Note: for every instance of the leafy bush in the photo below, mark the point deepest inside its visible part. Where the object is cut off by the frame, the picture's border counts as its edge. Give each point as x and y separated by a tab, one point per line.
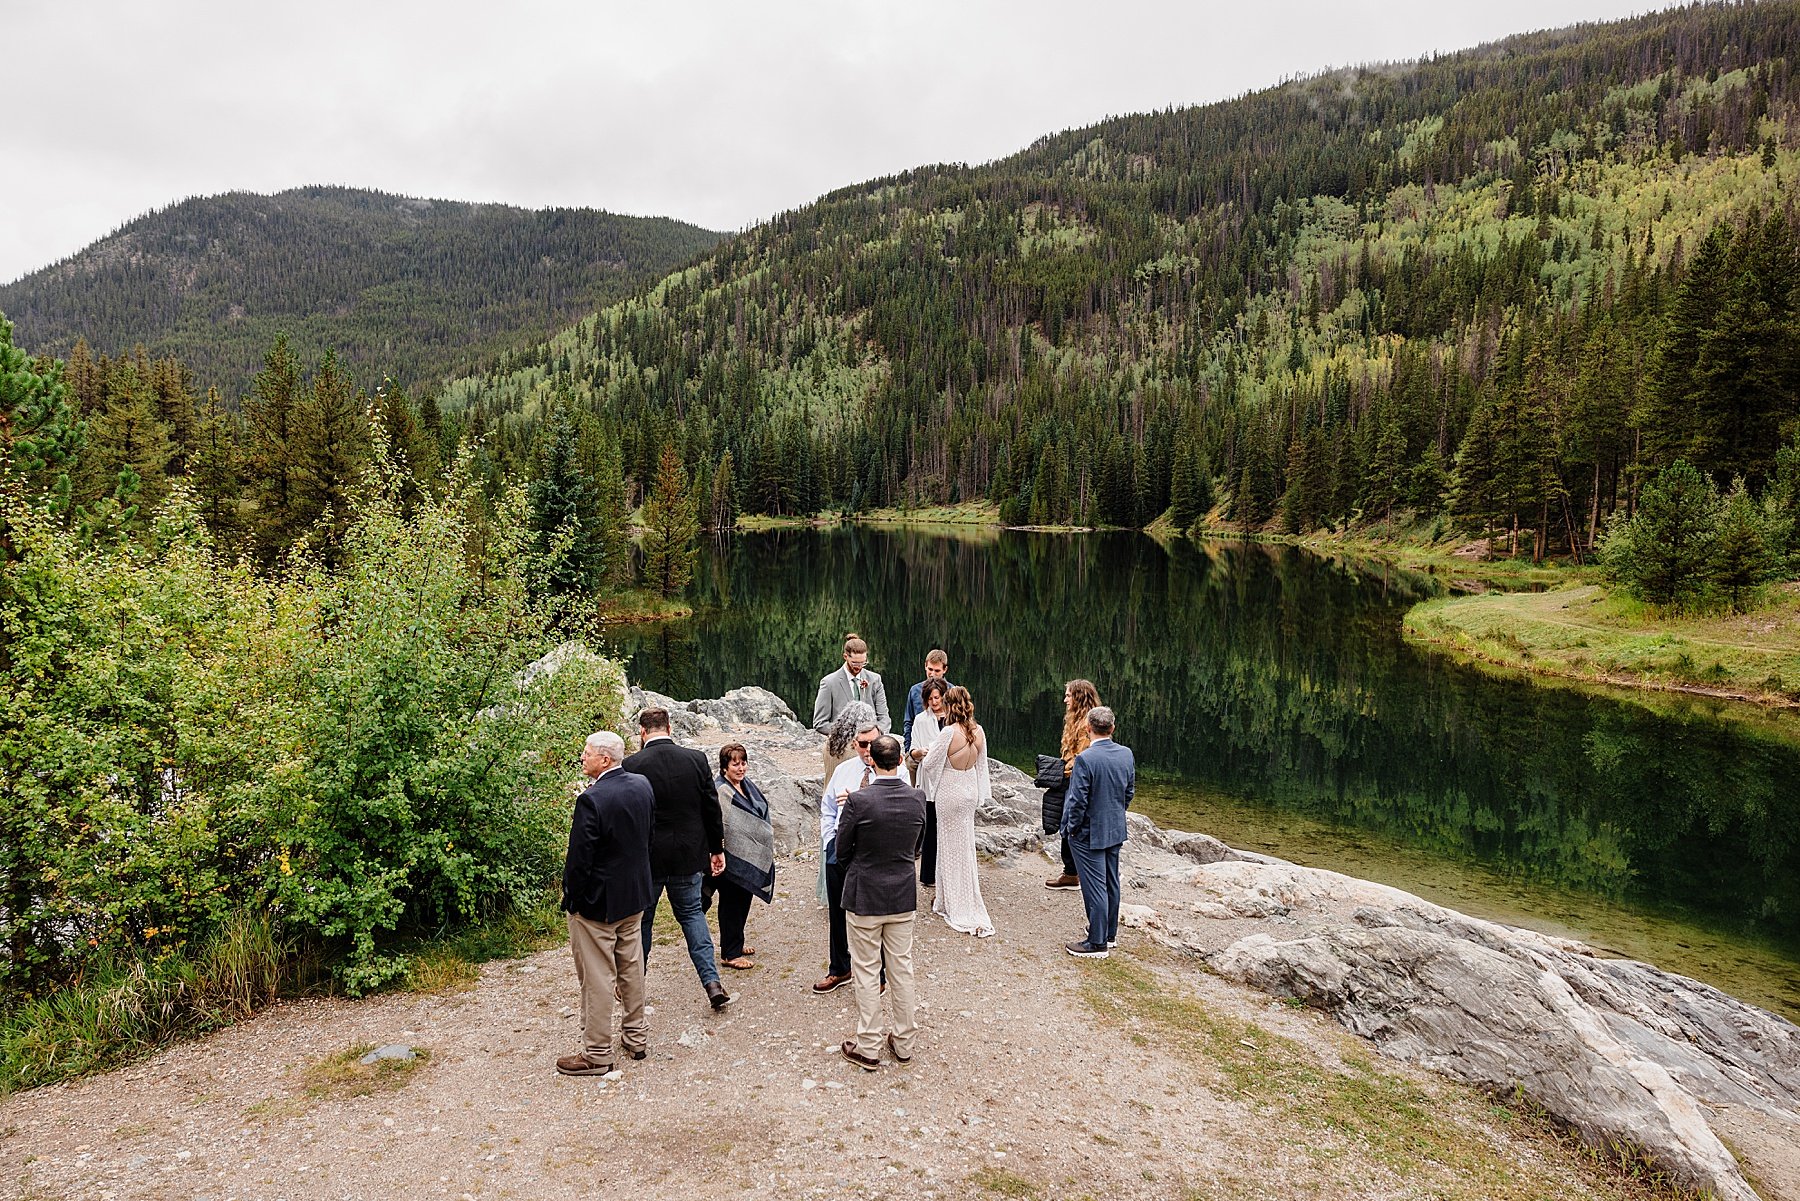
350	753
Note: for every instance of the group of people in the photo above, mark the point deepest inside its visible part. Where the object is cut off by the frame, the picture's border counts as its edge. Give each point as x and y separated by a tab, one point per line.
895	813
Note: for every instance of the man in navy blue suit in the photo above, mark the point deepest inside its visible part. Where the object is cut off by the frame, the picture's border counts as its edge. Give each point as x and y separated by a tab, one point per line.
1100	791
606	888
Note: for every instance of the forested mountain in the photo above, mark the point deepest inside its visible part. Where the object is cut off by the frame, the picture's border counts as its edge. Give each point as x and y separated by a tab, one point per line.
416	289
1501	283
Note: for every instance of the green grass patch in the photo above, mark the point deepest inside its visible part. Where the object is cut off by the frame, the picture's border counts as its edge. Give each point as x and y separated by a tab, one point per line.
974	512
1002	1183
1588	633
343	1074
452	962
122	1010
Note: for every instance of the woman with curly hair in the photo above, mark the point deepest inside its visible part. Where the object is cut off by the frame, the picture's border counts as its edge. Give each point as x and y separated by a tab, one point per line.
1078	697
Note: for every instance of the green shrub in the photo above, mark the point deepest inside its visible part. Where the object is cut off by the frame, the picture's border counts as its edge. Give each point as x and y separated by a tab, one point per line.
348	755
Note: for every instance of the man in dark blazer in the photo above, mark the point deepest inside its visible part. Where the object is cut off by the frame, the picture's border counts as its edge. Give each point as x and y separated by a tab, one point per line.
606	888
1100	790
689	840
878	836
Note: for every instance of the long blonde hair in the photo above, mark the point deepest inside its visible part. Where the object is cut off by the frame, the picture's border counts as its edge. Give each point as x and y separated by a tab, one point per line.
1082	696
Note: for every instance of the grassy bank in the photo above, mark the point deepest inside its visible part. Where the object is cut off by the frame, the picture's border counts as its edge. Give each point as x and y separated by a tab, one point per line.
639	605
1584	633
127	1009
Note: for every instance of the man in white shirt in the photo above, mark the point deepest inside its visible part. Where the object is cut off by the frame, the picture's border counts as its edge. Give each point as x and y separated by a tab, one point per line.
851	775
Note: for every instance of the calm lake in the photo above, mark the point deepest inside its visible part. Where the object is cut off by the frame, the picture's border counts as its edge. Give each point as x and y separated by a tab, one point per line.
1272	703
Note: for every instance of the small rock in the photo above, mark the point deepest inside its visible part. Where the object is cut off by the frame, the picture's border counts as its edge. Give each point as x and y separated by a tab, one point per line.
398	1051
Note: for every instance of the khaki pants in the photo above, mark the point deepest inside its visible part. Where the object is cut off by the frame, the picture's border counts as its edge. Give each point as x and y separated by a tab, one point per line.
609	964
871	940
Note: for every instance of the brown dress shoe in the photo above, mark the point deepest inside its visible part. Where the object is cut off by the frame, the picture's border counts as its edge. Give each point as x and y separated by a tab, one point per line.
895	1052
830	984
1063	881
578	1065
858	1058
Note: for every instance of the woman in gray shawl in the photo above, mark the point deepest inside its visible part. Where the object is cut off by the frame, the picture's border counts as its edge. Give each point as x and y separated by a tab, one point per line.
749	854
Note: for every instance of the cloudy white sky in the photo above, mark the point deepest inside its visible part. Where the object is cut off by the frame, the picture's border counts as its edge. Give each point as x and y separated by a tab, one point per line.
720	114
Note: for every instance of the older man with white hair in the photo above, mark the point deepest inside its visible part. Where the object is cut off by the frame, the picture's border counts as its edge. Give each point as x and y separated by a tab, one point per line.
606	888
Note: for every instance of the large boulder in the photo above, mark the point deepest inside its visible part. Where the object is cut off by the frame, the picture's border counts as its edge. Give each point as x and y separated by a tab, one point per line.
1622	1051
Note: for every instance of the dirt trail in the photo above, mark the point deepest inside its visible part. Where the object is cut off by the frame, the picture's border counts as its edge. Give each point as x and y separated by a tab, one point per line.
1020	1087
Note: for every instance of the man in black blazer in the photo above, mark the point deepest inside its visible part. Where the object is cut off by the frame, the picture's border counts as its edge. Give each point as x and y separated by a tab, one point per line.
878	836
689	840
606	888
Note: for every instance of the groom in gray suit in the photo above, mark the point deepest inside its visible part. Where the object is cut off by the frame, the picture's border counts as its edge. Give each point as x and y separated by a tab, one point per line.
1100	791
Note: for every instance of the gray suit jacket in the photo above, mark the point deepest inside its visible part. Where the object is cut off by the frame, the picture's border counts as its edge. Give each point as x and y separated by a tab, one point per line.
838	690
879	833
1100	791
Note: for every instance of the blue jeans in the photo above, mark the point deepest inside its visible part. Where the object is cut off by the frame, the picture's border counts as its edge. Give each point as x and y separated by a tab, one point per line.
684	899
1098	870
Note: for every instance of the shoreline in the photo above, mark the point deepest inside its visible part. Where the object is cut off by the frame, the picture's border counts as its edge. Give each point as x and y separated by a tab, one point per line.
1578	634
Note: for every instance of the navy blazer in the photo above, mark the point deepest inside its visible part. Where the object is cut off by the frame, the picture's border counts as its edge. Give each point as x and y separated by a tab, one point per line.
1100	791
606	876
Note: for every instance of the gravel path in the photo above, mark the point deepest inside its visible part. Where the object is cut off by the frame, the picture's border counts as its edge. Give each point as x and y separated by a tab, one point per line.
1019	1088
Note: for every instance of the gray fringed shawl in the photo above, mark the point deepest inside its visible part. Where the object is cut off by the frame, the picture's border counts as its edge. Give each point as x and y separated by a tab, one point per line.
749	838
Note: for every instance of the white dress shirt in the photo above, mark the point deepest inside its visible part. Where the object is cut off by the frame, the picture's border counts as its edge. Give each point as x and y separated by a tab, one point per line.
847	778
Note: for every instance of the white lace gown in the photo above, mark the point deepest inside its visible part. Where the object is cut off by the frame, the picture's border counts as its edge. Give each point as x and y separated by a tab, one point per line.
957	794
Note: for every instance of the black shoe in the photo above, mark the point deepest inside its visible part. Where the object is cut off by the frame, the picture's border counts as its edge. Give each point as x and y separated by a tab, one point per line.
638	1054
715	992
1086	950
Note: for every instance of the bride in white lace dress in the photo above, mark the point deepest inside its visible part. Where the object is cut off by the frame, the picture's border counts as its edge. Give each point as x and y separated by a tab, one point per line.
954	775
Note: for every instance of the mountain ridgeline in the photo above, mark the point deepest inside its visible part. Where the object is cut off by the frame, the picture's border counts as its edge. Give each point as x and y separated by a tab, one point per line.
1503	283
414	289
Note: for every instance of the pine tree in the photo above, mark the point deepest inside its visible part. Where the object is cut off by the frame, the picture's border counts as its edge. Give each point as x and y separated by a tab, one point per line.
214	468
564	512
723	511
670	528
128	447
271	422
1664	553
331	443
40	433
1190	487
1747	551
599	459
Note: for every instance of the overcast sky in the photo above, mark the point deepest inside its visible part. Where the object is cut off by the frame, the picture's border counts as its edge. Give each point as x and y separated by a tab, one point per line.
720	114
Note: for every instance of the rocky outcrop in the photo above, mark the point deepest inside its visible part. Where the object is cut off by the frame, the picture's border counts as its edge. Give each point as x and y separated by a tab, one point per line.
1622	1051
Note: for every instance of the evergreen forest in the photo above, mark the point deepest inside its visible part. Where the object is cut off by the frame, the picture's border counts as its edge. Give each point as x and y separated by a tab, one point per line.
396	286
1496	290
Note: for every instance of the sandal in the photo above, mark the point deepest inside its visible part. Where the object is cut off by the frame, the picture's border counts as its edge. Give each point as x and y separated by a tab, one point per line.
749	951
740	963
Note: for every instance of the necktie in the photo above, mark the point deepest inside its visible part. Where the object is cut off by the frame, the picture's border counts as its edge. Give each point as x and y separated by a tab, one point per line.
865	782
